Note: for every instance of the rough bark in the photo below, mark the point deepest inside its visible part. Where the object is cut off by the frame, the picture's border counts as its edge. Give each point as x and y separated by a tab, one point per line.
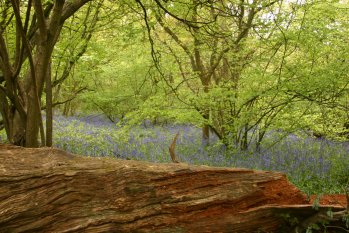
49	190
49	109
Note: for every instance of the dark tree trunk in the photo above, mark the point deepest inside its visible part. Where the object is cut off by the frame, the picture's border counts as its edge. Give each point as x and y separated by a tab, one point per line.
49	110
205	135
48	190
206	111
33	124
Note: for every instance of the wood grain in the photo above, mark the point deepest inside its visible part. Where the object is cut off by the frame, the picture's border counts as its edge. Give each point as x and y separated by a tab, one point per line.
49	190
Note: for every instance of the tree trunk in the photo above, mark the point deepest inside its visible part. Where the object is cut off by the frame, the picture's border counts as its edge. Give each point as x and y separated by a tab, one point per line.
35	36
17	130
206	115
49	109
49	190
32	129
13	123
206	130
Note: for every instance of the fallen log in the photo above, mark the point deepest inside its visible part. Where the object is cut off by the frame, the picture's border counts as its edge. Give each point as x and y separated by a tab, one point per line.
49	190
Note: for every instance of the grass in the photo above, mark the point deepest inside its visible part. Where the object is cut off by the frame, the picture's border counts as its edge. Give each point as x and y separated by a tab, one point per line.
315	166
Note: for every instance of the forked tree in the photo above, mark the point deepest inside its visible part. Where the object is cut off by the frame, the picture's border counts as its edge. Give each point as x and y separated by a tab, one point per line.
29	31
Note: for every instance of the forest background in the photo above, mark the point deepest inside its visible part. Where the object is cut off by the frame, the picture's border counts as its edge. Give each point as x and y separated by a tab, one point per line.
260	84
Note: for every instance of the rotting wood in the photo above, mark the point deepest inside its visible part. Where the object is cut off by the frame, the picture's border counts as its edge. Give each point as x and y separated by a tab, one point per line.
49	190
172	149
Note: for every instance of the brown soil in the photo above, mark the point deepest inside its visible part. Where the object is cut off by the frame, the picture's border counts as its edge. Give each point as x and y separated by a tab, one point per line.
332	199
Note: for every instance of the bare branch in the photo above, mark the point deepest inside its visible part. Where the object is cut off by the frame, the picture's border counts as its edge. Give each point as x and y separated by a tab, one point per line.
185	21
67	100
55	18
176	39
40	16
70	7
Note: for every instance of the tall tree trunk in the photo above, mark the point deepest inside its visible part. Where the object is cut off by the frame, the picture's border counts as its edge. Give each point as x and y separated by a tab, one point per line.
49	113
206	112
206	129
34	88
33	124
244	139
14	122
4	112
18	130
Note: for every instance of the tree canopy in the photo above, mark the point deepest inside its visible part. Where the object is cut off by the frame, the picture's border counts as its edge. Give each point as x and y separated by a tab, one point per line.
236	68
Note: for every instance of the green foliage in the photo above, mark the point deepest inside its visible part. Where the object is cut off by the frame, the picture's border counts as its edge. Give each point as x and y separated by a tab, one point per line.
312	165
289	73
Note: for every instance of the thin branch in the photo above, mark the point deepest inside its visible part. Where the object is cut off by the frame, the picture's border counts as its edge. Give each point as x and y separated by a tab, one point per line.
67	100
145	14
174	37
55	19
22	50
71	7
40	16
86	37
185	21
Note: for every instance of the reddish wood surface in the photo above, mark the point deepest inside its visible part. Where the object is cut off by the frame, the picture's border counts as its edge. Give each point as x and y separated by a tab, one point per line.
334	199
49	190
